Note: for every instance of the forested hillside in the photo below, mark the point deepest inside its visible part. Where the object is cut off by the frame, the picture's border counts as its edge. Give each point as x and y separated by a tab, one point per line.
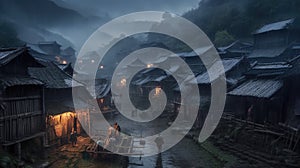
226	20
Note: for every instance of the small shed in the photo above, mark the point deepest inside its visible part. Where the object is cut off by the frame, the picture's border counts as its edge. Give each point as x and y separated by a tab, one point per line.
235	49
259	100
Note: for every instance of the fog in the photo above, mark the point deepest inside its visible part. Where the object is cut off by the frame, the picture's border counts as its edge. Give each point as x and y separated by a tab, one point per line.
71	22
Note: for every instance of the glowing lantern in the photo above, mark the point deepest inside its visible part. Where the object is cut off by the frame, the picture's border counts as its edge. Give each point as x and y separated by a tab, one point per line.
64	62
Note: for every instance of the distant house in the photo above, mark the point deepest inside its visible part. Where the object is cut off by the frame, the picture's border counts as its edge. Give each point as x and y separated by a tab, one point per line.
51	51
50	47
236	49
62	117
69	51
22	114
234	68
103	95
274	42
270	70
144	82
193	59
67	68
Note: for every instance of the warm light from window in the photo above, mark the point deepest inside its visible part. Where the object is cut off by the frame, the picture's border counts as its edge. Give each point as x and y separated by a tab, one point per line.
123	82
157	91
149	65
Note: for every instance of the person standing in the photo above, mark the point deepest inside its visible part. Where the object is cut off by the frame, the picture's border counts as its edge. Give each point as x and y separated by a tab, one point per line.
73	138
117	129
159	143
250	113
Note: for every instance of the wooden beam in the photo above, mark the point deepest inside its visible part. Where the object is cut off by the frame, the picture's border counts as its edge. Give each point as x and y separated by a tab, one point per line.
23	115
23	139
21	98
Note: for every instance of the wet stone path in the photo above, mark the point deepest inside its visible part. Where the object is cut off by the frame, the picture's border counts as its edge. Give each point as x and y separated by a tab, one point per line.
186	153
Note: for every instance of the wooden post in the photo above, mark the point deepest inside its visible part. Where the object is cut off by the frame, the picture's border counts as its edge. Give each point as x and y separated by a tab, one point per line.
296	143
44	119
89	122
19	152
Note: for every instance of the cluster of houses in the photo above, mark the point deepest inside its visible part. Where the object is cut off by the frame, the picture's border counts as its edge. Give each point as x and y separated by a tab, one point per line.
262	77
36	85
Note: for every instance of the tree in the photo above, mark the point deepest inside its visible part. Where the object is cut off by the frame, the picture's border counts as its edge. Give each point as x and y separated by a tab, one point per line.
8	36
223	38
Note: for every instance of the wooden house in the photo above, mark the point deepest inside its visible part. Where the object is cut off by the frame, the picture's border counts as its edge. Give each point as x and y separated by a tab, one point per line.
51	51
263	95
22	115
69	51
51	47
274	42
103	95
259	100
62	117
67	68
234	68
144	82
291	101
236	49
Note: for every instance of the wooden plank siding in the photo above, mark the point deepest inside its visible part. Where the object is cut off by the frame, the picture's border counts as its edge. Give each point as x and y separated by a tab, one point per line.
23	114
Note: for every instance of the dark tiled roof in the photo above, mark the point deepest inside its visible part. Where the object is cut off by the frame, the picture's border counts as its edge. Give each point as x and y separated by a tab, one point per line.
236	46
269	69
36	48
257	88
275	26
102	90
53	76
228	64
49	43
6	81
6	55
267	53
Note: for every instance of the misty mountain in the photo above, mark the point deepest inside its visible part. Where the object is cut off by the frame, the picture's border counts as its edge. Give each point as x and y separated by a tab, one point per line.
40	20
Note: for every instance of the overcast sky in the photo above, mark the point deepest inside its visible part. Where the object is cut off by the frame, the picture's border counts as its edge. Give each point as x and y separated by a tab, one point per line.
115	8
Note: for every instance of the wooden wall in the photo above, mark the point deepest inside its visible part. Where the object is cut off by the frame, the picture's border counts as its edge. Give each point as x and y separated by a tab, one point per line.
23	114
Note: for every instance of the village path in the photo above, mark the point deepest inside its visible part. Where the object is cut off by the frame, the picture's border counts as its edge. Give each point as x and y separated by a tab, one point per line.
186	153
